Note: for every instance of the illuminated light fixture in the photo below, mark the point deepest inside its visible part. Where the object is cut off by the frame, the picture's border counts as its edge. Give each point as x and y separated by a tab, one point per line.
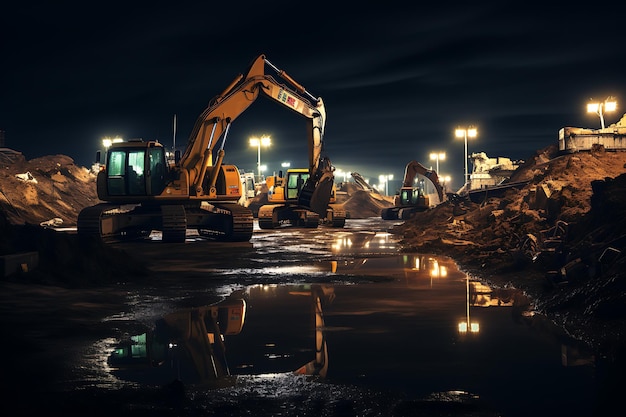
599	108
385	179
258	142
107	141
462	132
437	156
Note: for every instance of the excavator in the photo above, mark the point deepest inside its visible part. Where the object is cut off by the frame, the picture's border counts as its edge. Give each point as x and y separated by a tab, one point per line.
305	197
412	199
142	190
287	204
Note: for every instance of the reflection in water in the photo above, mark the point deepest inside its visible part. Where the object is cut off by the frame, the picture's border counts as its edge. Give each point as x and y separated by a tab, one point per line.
184	345
400	334
468	326
190	345
363	242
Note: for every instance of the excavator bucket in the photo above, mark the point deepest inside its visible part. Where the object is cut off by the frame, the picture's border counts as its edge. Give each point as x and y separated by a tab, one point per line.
316	198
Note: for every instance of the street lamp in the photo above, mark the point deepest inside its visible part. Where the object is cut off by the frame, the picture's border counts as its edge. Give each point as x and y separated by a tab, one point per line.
599	108
438	156
385	179
263	141
445	181
462	132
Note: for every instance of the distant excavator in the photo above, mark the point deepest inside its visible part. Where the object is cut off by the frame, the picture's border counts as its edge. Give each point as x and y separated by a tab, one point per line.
412	198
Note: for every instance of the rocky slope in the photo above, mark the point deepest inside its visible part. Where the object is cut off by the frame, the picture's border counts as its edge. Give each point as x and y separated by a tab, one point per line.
561	238
46	188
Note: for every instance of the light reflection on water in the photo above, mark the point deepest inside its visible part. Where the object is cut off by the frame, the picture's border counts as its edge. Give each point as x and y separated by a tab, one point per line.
428	330
357	314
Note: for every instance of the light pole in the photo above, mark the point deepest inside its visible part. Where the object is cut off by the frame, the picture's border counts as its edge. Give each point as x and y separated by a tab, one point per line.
438	156
385	179
462	132
599	108
263	141
445	181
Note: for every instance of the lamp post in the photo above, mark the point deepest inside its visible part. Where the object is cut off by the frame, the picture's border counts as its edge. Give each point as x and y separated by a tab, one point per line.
258	142
385	179
445	181
438	156
608	105
462	132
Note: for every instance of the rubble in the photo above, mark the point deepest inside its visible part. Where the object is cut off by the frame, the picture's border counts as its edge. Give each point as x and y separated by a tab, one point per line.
560	238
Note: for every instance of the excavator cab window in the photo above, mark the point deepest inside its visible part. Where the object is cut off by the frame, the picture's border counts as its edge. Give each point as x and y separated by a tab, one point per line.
295	183
136	169
157	181
406	197
125	172
116	172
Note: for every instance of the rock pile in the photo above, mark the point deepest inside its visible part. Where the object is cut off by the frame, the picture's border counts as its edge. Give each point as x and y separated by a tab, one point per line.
562	238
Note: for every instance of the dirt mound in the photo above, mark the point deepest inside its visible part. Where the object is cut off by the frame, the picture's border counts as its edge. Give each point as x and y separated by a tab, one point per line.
362	204
45	188
561	237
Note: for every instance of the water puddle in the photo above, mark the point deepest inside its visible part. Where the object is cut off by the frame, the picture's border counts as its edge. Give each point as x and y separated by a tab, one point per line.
423	330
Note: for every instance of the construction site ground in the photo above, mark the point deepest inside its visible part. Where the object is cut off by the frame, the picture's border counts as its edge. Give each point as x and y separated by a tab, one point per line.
560	238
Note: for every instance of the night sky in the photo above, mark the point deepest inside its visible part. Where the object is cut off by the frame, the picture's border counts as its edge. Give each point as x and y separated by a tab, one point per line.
396	77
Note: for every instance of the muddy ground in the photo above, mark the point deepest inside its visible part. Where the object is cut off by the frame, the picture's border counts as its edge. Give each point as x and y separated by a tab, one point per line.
560	237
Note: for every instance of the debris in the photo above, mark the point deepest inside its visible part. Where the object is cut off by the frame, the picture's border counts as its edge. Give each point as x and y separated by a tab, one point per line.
26	177
56	222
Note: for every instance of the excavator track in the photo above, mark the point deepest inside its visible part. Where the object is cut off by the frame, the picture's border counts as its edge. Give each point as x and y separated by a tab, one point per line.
91	222
229	222
336	215
277	215
243	223
109	222
174	219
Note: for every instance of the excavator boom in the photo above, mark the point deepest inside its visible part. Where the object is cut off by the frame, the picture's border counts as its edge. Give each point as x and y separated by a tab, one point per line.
414	168
212	125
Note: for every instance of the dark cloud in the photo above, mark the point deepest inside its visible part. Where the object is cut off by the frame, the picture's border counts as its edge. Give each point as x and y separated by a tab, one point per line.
396	79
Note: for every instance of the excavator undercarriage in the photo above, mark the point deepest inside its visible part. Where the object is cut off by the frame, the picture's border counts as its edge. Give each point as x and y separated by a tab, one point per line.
111	222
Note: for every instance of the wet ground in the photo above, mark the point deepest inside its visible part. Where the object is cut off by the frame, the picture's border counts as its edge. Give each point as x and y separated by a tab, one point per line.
320	322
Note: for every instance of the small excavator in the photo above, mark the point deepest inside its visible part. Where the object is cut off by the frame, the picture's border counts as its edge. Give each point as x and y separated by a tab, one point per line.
289	201
412	199
142	190
305	197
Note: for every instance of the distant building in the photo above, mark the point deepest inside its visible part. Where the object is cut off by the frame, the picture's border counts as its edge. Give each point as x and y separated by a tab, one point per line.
612	137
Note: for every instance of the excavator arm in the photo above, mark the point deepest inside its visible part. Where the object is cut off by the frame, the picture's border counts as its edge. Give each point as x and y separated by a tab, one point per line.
413	168
211	127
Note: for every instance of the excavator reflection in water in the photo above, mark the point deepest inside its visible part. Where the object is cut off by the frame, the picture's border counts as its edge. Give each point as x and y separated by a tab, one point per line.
190	345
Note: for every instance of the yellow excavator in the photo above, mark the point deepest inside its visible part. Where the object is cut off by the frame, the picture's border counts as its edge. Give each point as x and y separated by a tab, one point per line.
288	206
305	197
142	190
412	198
